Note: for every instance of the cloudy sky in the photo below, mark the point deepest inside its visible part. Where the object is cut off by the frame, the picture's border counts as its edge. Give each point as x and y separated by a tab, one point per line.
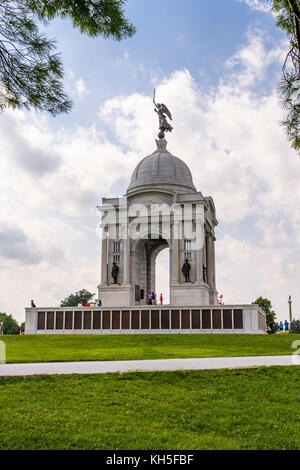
217	66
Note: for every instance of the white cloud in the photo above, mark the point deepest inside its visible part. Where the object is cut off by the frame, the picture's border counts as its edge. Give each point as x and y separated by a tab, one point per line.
75	86
252	60
81	88
230	137
258	5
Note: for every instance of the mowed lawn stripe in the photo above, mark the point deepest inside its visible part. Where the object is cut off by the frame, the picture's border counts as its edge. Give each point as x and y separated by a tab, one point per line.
56	348
241	409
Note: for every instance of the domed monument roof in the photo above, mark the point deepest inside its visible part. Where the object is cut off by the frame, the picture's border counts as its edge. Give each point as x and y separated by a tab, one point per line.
161	171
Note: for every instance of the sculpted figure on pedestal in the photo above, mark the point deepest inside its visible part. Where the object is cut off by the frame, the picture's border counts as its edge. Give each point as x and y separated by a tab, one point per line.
186	269
115	272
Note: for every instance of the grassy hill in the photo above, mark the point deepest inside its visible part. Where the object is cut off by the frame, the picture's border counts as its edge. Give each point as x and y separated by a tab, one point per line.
240	409
52	348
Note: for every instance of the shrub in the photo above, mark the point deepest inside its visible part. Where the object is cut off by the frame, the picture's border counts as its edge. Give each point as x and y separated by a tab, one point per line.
295	326
10	325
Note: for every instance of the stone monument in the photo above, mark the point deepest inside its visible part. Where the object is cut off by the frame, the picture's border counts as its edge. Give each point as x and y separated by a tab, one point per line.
162	196
161	209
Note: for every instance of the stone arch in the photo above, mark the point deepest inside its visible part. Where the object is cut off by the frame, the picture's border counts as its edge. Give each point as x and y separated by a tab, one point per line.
144	252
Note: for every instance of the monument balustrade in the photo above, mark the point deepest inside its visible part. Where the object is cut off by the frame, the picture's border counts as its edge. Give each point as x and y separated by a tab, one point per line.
149	319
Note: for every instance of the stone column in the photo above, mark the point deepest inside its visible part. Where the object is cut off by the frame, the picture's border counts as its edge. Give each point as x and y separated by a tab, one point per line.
199	250
209	261
214	261
126	272
104	257
175	253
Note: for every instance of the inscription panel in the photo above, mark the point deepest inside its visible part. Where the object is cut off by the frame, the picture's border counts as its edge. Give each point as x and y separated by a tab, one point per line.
238	319
175	319
135	320
154	320
78	321
59	322
106	320
50	320
41	321
145	319
165	320
125	320
87	320
227	319
185	320
116	320
206	322
97	321
68	320
217	325
196	319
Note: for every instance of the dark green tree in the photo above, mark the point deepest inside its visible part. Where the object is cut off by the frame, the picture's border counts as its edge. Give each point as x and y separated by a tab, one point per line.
73	300
288	19
266	305
30	70
10	325
295	326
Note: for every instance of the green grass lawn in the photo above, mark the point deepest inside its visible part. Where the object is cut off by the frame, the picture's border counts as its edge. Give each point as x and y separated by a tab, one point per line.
227	409
51	348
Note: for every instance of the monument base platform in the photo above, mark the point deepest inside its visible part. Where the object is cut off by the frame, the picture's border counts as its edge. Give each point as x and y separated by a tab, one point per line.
192	294
189	293
156	319
115	295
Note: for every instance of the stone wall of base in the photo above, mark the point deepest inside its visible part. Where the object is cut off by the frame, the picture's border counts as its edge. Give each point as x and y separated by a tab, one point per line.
189	294
115	295
148	332
158	319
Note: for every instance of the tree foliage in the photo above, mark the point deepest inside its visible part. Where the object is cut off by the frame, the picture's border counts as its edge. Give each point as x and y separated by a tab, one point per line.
295	326
266	305
288	18
73	300
30	71
10	325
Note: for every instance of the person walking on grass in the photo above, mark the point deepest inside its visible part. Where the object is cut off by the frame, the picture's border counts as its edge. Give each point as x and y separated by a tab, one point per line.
281	327
286	325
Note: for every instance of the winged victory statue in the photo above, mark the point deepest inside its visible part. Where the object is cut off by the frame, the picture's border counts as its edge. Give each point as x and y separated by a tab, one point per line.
163	113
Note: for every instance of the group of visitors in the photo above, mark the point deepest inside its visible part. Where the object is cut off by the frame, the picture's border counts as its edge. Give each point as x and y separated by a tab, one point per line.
284	326
97	303
152	300
271	329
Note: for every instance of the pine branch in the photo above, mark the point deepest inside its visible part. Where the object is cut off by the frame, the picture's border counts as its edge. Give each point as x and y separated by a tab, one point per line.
30	72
